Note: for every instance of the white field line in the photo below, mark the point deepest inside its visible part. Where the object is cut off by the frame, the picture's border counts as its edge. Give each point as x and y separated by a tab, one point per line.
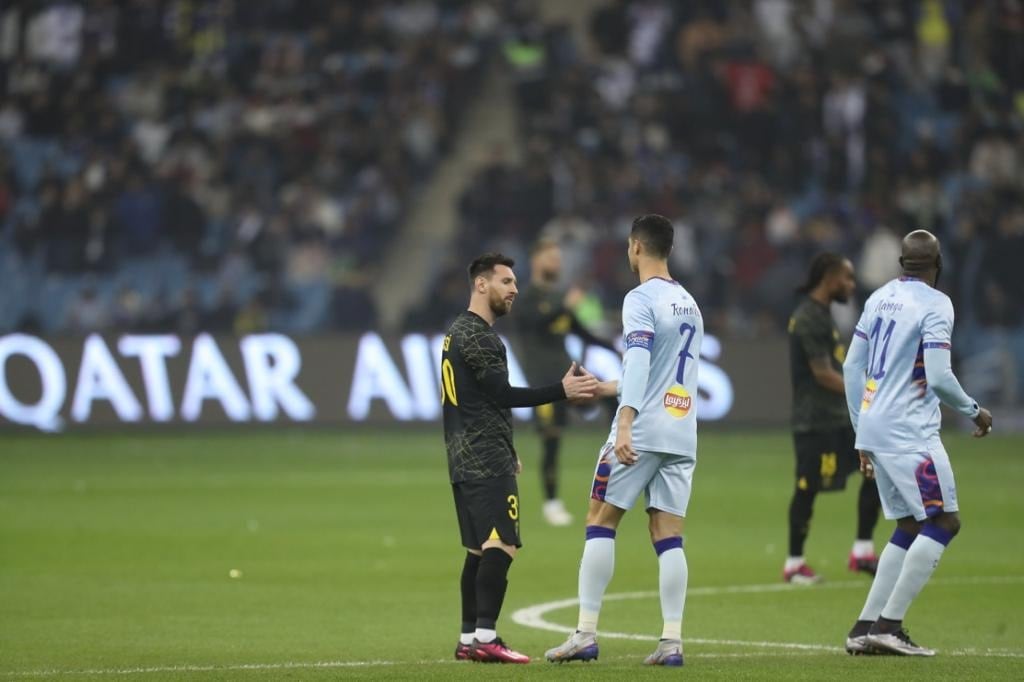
297	665
534	616
313	665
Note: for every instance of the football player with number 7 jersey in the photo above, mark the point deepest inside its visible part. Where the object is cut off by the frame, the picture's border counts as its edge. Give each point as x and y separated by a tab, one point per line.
652	447
896	373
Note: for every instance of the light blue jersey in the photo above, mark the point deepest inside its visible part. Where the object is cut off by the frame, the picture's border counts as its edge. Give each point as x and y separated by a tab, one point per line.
663	330
894	402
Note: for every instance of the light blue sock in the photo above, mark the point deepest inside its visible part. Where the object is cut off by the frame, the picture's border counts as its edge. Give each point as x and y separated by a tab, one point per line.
890	563
596	569
672	576
922	560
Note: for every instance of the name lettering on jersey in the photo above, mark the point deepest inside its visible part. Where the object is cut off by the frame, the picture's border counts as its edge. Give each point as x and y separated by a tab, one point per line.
890	307
678	401
685	310
447	342
639	339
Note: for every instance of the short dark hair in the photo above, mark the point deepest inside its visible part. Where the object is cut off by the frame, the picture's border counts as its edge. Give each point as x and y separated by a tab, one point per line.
484	264
655	232
821	265
543	244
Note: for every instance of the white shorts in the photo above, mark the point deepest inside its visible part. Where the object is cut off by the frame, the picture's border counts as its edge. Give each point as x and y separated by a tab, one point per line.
919	485
664	478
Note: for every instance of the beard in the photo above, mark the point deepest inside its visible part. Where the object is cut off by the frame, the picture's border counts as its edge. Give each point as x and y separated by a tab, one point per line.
499	306
548	276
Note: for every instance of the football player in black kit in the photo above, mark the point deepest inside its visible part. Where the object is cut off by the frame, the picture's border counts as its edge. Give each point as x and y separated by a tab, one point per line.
482	462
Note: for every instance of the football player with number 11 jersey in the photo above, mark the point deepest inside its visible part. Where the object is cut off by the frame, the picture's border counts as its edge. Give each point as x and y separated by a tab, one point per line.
896	373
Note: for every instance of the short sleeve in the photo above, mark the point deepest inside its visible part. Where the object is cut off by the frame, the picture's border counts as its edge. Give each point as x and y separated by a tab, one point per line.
937	325
637	321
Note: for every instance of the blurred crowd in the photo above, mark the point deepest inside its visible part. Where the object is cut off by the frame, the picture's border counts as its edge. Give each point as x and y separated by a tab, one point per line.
768	131
216	164
179	165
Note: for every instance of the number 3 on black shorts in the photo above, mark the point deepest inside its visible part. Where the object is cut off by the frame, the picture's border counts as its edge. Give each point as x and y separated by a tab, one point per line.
513	507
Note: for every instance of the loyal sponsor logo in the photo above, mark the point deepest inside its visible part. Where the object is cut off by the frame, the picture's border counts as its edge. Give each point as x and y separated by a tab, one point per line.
678	401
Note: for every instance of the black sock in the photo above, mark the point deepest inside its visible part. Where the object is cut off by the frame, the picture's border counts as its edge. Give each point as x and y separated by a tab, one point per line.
468	586
886	626
549	467
861	628
800	510
868	506
491	581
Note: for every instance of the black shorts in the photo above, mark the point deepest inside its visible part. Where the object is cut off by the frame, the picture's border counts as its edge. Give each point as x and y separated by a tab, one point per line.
551	414
824	459
488	509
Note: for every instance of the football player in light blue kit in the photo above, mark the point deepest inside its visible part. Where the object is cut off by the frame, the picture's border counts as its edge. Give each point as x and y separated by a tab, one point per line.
896	373
652	447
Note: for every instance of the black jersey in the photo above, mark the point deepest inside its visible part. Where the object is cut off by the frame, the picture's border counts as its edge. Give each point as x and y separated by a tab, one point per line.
543	322
813	334
477	430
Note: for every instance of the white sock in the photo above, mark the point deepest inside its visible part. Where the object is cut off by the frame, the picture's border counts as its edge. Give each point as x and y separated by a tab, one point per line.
596	568
890	563
793	562
672	576
863	549
922	558
466	638
485	635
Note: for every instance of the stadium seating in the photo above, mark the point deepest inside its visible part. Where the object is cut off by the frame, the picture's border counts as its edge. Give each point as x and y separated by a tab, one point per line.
234	150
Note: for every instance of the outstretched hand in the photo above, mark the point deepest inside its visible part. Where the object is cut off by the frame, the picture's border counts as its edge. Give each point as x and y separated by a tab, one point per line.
579	384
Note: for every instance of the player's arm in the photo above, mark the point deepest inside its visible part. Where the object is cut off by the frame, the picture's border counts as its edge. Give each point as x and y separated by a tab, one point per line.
638	330
608	389
817	345
496	386
855	373
485	357
588	337
573	386
937	330
825	375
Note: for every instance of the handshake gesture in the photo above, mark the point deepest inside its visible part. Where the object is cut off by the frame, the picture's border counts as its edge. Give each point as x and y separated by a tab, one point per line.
580	385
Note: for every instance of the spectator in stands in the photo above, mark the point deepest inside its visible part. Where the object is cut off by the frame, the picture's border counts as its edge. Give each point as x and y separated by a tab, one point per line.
160	143
89	312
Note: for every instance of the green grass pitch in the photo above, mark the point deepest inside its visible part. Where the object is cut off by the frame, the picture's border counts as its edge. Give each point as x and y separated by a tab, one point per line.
116	554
